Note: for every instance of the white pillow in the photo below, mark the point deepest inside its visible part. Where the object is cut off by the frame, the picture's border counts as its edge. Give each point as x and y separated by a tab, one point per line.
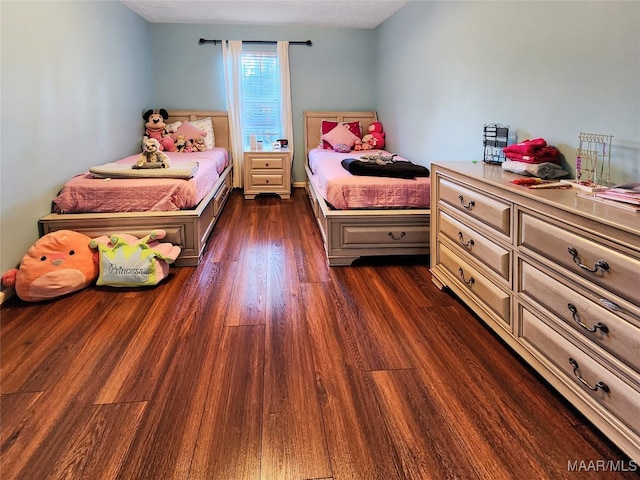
207	125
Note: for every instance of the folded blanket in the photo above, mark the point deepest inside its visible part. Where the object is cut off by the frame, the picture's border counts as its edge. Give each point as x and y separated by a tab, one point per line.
545	170
532	151
121	170
396	169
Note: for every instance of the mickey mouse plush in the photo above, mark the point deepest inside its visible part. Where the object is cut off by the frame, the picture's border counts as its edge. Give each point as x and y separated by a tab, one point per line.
155	128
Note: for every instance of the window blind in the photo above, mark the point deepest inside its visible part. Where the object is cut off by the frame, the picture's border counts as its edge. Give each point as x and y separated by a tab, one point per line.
261	96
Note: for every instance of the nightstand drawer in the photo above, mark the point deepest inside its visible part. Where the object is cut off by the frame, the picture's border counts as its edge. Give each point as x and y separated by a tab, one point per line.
487	251
494	213
271	180
580	371
591	320
266	163
595	262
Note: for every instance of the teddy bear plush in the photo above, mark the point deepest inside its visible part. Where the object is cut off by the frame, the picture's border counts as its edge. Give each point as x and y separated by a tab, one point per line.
181	143
155	128
151	156
59	263
368	142
199	145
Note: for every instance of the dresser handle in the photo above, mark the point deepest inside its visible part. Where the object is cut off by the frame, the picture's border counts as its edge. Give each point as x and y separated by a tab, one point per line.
600	264
600	385
469	205
402	234
598	326
463	243
469	282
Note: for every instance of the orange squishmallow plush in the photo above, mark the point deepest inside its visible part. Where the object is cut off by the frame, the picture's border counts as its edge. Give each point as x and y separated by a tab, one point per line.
58	263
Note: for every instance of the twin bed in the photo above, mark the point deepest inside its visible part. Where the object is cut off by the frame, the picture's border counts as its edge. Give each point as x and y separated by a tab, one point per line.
357	216
362	216
112	205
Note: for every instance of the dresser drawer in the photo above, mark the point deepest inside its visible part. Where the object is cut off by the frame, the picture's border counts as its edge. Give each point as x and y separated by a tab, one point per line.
614	334
488	210
573	364
266	162
619	273
487	251
476	283
270	180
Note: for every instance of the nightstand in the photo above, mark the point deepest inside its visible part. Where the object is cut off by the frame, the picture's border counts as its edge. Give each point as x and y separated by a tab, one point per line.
267	171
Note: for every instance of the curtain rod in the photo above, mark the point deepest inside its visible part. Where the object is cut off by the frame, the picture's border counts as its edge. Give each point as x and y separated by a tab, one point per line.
309	43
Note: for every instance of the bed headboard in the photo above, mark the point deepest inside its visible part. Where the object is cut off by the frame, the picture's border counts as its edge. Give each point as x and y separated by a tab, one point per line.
219	119
313	120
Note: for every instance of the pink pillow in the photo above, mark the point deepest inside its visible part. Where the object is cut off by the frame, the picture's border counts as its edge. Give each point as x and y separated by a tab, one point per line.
327	125
189	131
340	135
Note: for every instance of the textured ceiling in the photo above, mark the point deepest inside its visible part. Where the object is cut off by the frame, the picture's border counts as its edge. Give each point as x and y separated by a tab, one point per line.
322	13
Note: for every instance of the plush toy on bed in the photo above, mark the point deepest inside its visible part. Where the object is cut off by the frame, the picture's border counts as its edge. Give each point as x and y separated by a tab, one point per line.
155	128
151	156
127	261
199	145
375	130
59	263
368	142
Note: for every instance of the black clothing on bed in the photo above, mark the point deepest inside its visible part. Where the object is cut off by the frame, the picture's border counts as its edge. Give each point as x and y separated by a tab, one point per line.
396	169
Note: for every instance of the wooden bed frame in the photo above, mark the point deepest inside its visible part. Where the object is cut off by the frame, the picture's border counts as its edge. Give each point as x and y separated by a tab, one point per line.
351	234
188	229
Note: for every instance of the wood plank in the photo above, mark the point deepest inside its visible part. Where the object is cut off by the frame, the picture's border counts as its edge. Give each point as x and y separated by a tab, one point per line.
293	441
358	442
229	441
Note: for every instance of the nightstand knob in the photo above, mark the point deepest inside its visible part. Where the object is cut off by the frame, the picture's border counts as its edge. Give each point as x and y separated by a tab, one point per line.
266	164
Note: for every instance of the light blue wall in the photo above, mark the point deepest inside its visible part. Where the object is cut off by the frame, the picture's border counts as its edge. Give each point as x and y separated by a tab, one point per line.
547	69
336	73
436	72
75	78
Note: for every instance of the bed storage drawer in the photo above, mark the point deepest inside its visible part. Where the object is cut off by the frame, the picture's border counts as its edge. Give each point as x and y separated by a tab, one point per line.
360	235
593	261
482	207
579	370
475	244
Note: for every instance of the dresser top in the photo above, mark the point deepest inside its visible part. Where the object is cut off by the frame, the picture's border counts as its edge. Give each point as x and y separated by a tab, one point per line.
567	199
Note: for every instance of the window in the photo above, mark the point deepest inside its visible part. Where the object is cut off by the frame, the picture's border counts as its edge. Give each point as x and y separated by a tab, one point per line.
261	97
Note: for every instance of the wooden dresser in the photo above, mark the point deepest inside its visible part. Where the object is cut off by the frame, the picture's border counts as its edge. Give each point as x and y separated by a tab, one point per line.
557	276
267	171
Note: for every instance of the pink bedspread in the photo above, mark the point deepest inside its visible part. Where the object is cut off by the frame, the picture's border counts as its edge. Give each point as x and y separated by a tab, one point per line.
345	191
84	193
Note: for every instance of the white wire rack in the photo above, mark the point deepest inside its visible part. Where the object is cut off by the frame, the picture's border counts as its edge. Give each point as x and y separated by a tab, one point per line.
593	160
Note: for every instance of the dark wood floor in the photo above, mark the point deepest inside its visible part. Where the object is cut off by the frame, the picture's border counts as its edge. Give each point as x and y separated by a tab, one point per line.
264	363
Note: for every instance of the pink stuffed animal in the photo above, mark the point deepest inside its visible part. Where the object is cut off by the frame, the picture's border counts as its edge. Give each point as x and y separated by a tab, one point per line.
126	260
375	129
